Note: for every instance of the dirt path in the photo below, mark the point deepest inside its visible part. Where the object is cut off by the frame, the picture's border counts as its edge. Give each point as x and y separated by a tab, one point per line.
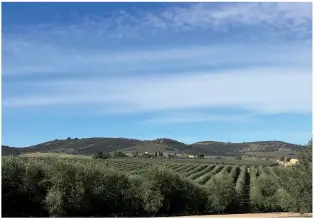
255	215
87	146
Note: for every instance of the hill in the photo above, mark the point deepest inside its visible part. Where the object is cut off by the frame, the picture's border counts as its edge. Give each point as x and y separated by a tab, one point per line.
88	146
7	150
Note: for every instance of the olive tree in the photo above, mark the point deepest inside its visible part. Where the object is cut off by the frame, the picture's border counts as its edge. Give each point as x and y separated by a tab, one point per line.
297	182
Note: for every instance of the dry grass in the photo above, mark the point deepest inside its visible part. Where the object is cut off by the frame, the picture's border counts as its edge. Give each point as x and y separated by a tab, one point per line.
57	155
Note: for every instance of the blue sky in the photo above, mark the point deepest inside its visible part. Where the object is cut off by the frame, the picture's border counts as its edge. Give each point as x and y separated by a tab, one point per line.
189	71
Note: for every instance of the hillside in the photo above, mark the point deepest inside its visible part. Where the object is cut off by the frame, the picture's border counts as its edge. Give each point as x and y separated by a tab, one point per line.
7	150
87	146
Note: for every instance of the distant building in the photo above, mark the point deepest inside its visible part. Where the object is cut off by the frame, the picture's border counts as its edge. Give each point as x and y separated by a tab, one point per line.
293	161
285	163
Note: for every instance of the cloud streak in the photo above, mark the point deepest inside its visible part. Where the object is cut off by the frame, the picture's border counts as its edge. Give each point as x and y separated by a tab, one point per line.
220	17
40	59
74	64
196	117
263	91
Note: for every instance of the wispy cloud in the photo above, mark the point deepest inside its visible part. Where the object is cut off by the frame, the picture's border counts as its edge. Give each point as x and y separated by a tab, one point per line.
196	75
220	17
223	16
197	117
82	46
36	58
259	90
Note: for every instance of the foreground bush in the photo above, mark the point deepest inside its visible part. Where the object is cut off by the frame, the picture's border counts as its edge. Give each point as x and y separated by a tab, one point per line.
173	194
22	191
66	188
222	193
297	183
85	190
265	194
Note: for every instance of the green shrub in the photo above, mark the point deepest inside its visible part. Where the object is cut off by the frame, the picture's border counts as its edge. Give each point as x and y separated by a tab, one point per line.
118	154
137	195
89	188
147	156
106	156
297	182
206	177
86	190
241	183
235	172
100	155
175	195
264	196
222	193
116	194
285	201
67	190
22	189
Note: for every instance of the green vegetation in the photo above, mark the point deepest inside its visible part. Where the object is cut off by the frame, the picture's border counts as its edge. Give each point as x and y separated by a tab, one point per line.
240	183
223	194
43	186
297	183
100	155
201	156
119	154
264	197
91	146
238	158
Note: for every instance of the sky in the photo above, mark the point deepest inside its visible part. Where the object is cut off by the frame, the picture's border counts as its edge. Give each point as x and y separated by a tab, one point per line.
233	72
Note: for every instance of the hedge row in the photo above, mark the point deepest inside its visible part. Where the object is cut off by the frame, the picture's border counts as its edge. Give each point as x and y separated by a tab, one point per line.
196	175
222	193
266	193
222	171
235	173
66	188
74	188
241	181
194	170
203	179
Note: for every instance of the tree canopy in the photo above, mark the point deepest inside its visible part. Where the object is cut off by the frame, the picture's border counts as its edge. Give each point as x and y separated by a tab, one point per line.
297	182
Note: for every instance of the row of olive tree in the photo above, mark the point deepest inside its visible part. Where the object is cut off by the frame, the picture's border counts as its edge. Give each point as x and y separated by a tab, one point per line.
297	183
292	191
70	189
116	154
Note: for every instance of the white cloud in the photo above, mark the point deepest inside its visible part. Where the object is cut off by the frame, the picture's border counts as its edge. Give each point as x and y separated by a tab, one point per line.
284	17
28	58
263	91
193	117
176	77
224	14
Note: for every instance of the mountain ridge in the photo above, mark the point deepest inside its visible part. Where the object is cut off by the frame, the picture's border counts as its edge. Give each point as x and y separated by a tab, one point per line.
88	146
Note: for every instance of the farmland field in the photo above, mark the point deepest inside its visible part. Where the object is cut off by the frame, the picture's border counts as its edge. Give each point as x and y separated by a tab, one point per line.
70	186
208	160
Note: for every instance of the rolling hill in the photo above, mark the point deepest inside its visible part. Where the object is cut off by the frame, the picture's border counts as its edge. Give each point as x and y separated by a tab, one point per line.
88	146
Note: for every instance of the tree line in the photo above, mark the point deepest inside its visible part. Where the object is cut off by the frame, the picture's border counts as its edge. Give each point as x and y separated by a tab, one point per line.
69	188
